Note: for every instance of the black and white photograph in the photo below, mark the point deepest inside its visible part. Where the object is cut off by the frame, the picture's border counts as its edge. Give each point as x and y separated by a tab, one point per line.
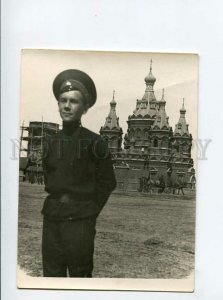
107	170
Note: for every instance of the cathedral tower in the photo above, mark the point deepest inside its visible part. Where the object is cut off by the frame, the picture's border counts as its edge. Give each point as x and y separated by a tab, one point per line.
182	141
161	134
111	130
140	122
150	145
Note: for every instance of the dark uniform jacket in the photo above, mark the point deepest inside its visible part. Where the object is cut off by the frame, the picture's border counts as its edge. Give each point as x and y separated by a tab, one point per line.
78	173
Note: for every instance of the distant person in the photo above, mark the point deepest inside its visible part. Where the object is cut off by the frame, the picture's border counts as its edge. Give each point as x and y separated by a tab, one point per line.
180	185
162	184
32	179
79	179
38	177
169	180
140	184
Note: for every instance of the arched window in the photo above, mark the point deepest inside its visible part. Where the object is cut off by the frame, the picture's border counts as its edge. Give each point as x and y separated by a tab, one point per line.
131	133
138	133
114	142
164	143
155	143
146	134
185	148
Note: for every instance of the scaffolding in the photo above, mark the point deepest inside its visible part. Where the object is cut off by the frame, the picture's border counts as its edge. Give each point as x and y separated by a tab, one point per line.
34	136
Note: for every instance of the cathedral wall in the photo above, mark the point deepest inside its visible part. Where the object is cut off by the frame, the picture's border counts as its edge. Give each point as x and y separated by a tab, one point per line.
128	178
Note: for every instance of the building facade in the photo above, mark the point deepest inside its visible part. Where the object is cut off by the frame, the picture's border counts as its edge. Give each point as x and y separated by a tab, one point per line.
150	148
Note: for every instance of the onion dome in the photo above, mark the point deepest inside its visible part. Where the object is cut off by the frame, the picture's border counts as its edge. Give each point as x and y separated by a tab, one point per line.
183	110
150	79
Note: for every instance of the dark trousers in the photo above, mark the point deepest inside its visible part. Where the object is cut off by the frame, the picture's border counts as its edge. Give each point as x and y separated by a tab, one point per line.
68	247
180	189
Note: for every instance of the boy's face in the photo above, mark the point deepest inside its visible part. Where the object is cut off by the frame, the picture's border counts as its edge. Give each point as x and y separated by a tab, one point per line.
71	106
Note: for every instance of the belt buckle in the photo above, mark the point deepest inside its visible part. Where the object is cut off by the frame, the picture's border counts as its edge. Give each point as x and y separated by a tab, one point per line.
65	198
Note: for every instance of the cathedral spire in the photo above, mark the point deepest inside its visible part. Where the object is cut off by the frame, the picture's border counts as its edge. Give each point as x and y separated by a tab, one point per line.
113	102
112	121
113	98
147	106
162	121
111	130
181	127
183	110
163	97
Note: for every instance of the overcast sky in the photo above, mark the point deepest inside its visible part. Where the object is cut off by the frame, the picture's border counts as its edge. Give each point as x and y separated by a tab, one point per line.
120	71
